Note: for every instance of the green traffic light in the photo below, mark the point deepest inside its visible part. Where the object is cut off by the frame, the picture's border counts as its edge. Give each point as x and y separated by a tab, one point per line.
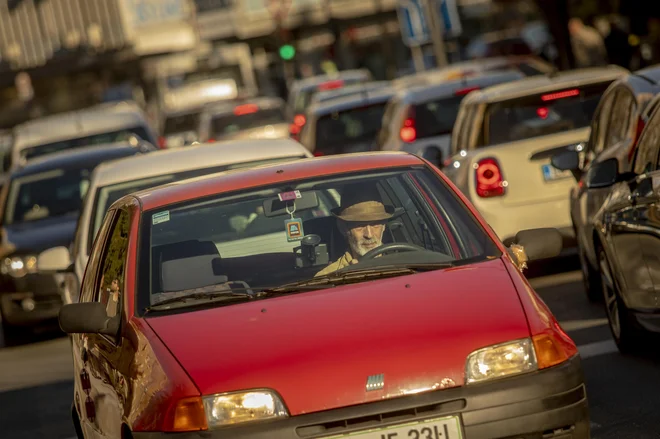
287	52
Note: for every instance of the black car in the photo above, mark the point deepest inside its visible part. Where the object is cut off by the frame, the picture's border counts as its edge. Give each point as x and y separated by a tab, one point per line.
41	204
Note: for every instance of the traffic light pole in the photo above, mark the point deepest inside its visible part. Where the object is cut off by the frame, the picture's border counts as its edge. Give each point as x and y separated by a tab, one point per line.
436	27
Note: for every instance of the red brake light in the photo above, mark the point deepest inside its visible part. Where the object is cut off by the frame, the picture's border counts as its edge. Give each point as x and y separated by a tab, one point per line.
318	154
162	143
542	112
408	132
490	182
464	91
299	119
331	85
560	95
294	129
245	109
210	140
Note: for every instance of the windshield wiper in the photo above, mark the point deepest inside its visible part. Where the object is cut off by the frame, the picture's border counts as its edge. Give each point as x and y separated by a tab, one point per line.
210	296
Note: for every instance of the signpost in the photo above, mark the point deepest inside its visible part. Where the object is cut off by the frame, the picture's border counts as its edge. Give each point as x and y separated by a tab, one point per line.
428	22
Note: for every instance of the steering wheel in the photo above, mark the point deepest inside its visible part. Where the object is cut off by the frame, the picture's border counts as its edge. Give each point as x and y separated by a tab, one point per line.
388	248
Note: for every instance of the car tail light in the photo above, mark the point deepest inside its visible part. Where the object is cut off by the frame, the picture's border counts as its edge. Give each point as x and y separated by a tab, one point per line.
162	143
318	154
408	131
490	181
210	141
560	95
464	91
331	85
240	110
188	415
542	112
299	119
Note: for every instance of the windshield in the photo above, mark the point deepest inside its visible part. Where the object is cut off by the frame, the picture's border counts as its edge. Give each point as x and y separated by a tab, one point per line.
81	142
436	117
106	195
46	195
254	239
181	123
541	114
230	123
352	130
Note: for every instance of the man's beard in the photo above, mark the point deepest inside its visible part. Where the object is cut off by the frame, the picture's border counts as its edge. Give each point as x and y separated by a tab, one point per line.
362	246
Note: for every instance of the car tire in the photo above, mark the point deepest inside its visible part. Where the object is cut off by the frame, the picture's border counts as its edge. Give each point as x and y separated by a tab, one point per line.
626	332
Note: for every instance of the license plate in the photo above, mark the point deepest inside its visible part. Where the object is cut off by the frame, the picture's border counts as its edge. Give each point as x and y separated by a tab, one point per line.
439	428
551	173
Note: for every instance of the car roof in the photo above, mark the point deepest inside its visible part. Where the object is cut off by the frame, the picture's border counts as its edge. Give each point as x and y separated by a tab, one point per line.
196	157
92	120
193	97
350	89
218	108
297	170
313	81
352	101
434	90
544	83
78	157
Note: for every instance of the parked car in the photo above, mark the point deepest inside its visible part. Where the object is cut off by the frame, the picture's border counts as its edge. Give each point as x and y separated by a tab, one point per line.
626	229
98	125
615	131
348	124
504	138
256	118
111	181
221	332
40	207
419	119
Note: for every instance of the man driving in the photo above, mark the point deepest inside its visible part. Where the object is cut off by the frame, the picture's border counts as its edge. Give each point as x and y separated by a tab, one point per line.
361	219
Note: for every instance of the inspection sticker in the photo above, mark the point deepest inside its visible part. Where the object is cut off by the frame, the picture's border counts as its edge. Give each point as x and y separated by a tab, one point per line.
287	196
160	217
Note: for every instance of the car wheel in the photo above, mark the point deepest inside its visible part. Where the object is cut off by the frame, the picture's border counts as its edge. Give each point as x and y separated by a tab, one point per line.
627	335
590	277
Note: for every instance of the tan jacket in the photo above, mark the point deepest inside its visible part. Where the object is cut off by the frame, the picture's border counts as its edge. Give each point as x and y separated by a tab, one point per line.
340	263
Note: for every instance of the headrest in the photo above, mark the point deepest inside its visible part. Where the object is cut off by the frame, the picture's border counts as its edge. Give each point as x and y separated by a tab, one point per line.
187	273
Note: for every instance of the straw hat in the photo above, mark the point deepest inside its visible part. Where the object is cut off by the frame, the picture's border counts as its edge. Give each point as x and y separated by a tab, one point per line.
362	203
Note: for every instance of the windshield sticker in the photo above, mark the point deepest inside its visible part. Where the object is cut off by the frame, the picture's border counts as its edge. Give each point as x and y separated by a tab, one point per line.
288	196
160	217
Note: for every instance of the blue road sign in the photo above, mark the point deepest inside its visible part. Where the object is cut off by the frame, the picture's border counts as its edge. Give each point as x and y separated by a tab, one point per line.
413	22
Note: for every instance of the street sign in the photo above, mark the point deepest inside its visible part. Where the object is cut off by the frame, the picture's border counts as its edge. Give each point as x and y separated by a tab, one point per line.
414	25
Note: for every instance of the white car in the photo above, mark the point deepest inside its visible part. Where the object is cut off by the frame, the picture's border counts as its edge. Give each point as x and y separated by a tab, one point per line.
504	138
113	180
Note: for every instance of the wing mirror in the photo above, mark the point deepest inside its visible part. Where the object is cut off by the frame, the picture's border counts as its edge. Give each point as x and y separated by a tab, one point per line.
605	174
88	318
536	244
56	259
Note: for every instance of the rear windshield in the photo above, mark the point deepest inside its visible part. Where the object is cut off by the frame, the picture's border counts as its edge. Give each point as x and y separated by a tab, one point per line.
541	114
304	97
230	123
181	124
80	142
353	130
436	118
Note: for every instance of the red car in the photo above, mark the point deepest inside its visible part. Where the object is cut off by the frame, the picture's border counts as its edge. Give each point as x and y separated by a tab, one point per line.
355	295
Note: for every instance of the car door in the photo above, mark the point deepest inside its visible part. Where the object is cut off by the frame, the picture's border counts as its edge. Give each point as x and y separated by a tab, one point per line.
631	222
107	370
84	395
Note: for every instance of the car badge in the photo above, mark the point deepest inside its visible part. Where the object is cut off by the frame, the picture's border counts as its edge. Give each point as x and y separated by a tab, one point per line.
375	382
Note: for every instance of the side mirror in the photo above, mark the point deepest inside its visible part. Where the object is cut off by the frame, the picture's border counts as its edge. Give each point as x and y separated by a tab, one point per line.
566	160
56	259
87	318
603	174
434	155
539	243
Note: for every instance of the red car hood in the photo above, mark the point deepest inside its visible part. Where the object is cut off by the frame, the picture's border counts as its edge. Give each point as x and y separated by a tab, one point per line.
316	349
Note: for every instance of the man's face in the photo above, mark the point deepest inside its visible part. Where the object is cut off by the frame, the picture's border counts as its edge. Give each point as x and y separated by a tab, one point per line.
363	237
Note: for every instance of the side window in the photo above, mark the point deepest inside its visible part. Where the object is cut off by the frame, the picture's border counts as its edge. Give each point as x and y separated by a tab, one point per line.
647	151
599	126
87	290
110	288
457	132
620	120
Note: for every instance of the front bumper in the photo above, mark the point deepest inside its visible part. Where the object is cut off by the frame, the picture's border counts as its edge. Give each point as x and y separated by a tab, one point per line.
549	404
30	300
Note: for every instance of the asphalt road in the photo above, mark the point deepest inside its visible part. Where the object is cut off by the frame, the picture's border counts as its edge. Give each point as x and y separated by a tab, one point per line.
624	392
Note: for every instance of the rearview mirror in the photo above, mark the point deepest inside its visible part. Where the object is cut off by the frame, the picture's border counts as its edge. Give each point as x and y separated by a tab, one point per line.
540	243
603	174
87	318
56	259
566	160
278	206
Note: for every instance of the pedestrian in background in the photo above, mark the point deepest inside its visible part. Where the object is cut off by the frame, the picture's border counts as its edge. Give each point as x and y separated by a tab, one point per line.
588	45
